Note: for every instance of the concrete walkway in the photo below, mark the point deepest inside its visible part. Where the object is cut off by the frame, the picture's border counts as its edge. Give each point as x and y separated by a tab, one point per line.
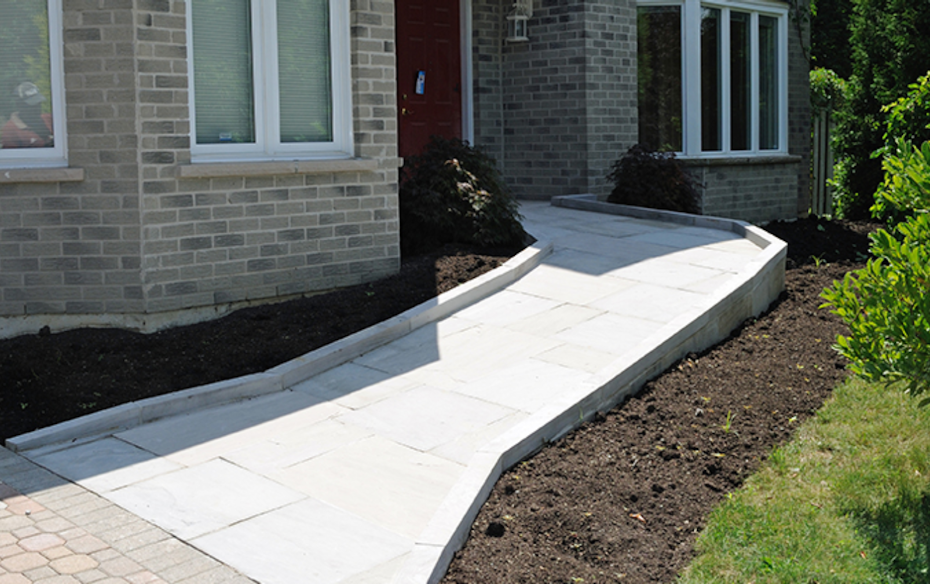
372	471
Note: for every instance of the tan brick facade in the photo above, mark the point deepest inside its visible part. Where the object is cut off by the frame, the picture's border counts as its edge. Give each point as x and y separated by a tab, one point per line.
144	232
134	234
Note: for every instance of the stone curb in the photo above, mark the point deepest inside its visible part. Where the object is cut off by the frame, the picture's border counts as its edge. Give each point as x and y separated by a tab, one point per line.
287	374
756	286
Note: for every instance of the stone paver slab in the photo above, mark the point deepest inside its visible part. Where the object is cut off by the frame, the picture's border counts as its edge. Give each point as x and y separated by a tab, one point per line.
354	386
609	333
650	302
209	433
424	417
567	285
378	480
507	307
323	545
526	385
207	497
269	456
107	464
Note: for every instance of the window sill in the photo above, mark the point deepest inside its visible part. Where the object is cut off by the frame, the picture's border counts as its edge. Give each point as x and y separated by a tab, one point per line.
41	175
223	169
741	160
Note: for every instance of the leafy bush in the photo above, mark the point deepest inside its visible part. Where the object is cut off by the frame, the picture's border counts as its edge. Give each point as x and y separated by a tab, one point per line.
658	180
906	189
453	193
887	303
887	308
828	90
889	48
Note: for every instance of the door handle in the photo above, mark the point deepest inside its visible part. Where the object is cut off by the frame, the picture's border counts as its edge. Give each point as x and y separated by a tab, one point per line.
405	112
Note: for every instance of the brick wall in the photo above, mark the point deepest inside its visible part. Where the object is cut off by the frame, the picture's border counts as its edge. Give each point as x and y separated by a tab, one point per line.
135	237
73	247
749	189
557	110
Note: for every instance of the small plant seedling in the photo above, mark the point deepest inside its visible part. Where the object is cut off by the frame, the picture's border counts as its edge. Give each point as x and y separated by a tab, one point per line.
728	422
818	261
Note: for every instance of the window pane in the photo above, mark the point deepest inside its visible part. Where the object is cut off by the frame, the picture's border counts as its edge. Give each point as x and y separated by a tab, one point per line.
25	77
740	94
659	76
768	83
305	71
222	45
711	81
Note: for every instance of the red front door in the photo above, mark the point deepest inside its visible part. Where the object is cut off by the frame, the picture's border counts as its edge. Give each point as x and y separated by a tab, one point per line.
429	72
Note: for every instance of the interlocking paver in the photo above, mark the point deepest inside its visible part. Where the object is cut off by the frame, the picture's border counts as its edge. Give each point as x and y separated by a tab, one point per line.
26	531
60	579
53	524
90	576
144	577
42	573
10	550
85	544
24	562
73	564
56	552
41	542
120	566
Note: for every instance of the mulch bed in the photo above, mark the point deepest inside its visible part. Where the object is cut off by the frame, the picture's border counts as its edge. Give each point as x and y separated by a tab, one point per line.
623	498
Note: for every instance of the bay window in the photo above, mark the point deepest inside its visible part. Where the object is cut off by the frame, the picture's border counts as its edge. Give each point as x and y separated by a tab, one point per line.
31	103
712	77
270	79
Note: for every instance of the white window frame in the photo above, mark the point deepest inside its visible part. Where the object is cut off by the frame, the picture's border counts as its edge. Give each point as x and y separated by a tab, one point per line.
691	74
267	146
57	155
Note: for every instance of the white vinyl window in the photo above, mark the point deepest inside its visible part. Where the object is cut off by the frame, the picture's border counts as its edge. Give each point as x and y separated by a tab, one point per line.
271	80
32	127
713	77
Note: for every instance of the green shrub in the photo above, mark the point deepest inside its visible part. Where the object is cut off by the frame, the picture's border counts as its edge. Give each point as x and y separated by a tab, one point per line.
645	178
828	90
889	47
453	193
906	188
887	307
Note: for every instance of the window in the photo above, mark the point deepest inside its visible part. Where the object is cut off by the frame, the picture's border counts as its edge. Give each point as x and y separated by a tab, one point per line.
712	77
270	79
31	113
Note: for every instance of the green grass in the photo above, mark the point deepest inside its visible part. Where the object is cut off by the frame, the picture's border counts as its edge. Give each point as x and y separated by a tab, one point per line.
848	500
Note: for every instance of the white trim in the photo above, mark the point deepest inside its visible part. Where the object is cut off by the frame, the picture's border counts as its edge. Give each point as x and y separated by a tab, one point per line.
691	77
56	156
267	146
468	95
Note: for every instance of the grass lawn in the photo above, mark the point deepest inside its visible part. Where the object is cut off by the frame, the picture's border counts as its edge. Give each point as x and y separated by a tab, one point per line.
848	500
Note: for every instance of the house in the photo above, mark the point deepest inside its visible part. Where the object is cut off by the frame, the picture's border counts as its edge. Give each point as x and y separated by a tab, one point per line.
166	160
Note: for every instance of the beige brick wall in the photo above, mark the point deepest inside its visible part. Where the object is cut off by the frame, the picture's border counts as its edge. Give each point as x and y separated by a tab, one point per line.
135	237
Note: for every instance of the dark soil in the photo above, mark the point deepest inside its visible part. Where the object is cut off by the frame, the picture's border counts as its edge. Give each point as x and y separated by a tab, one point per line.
48	378
623	498
619	500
